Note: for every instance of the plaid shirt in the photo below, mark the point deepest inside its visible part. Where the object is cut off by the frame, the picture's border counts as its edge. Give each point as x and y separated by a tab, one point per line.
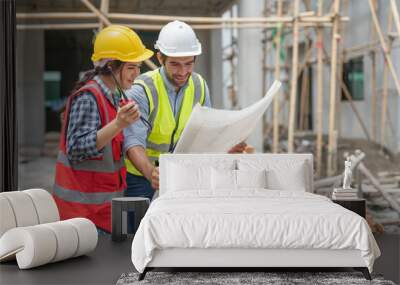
84	122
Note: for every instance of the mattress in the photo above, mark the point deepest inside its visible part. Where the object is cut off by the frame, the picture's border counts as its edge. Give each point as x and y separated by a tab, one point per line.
250	219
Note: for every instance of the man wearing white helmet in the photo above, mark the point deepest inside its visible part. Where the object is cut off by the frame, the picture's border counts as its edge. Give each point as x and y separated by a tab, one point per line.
166	97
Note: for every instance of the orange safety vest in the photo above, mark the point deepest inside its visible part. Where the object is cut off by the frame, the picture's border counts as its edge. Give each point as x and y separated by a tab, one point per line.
85	189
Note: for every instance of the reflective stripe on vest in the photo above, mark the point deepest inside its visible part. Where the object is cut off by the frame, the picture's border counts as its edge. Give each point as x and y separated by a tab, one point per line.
198	89
106	165
84	197
161	116
148	84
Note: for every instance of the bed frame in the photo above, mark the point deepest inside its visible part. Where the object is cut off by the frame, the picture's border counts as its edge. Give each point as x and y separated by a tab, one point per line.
242	259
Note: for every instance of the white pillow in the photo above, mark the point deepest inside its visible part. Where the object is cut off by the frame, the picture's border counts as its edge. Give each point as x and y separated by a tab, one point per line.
282	174
183	177
223	179
227	179
293	180
251	178
185	174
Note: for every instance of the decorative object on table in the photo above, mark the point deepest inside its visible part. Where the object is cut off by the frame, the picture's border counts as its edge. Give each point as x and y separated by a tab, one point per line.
138	205
346	192
347	174
31	231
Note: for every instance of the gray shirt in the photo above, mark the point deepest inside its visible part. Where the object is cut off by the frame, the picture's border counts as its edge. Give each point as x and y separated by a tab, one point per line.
136	134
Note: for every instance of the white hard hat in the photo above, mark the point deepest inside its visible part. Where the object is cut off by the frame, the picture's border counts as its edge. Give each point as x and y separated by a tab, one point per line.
178	39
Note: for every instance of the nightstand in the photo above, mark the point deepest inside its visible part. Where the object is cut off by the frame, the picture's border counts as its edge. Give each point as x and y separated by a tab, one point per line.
124	204
355	205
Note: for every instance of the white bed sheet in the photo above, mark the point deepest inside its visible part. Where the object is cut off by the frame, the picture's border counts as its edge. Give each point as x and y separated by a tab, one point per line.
252	218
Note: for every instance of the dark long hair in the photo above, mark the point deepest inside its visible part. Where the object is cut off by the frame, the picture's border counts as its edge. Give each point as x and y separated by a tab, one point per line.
90	74
112	66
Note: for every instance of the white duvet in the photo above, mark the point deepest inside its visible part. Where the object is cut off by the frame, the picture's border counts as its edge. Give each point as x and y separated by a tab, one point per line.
254	218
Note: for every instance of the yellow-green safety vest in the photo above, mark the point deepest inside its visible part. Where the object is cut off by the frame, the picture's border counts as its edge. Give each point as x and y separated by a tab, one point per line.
161	116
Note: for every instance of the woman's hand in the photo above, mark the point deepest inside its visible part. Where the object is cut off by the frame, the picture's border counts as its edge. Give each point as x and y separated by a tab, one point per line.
127	115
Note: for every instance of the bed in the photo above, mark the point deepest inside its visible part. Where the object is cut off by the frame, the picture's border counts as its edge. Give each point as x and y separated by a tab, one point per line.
223	210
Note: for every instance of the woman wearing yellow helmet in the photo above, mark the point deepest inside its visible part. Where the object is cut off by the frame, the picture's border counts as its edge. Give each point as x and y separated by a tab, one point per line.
90	168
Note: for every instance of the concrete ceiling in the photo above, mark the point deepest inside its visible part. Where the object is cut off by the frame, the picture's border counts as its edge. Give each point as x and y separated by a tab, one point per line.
154	7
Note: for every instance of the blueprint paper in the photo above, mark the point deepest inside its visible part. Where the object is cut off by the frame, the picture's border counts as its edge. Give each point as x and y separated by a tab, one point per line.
211	130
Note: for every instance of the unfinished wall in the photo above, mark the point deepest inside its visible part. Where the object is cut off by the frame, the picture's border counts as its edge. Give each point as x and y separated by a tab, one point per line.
30	88
358	32
360	29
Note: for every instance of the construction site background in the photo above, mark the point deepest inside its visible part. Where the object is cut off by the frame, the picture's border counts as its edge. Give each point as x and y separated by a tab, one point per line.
338	61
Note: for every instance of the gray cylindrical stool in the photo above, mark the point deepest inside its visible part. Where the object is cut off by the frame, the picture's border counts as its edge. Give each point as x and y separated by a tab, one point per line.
124	204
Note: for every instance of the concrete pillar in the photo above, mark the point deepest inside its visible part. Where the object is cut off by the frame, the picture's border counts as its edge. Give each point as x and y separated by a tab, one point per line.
30	89
203	60
209	63
250	65
216	84
398	126
394	107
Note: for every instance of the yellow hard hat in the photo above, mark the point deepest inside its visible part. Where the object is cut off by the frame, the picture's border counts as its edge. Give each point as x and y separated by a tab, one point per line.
120	43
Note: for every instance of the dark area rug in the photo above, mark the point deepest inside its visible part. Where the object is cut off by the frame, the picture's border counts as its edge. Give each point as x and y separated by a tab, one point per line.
228	278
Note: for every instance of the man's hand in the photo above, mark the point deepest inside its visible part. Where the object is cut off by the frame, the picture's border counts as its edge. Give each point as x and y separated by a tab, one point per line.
239	148
155	178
